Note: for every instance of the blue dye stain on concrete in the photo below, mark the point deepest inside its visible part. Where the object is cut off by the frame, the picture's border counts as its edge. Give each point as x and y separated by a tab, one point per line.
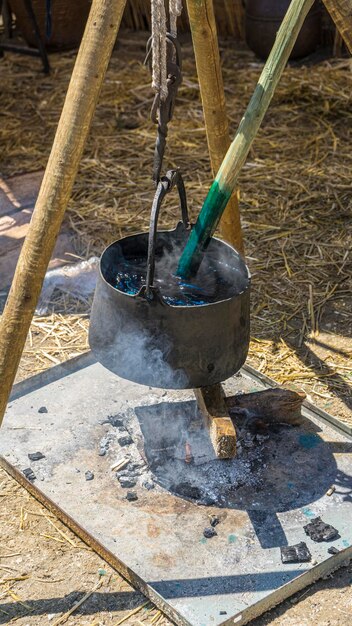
203	540
308	512
345	543
309	440
290	485
232	538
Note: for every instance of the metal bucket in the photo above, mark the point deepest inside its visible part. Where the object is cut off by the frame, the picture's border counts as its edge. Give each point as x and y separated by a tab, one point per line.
143	338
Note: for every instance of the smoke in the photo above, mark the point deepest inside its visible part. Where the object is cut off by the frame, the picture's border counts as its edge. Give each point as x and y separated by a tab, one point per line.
135	352
145	358
77	280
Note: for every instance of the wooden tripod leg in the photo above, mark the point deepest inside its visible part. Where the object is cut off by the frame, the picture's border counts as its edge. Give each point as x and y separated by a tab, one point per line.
341	13
206	50
81	99
205	43
211	401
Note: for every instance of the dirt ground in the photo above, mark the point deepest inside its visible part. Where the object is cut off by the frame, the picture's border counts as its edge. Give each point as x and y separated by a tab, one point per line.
45	569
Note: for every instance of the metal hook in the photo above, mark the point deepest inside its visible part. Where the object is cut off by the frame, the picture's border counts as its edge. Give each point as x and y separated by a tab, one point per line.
166	184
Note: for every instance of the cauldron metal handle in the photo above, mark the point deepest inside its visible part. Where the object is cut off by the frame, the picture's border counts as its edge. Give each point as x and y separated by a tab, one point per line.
171	179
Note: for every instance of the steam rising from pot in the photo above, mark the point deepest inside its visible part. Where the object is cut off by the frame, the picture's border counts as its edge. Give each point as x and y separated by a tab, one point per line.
216	279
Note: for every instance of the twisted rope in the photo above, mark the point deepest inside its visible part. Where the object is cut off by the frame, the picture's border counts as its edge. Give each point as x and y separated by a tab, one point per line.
159	30
159	79
175	9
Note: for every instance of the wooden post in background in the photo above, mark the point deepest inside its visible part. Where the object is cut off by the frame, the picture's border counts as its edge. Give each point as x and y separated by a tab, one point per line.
206	50
81	99
341	13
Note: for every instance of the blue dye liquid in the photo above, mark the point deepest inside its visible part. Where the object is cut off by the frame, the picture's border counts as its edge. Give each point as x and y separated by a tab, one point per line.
210	285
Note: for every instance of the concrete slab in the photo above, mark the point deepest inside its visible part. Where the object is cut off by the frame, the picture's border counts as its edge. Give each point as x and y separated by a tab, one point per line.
263	498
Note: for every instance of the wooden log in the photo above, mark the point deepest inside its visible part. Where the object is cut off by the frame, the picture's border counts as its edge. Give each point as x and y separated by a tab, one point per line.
270	405
227	176
341	13
211	402
81	99
276	405
206	50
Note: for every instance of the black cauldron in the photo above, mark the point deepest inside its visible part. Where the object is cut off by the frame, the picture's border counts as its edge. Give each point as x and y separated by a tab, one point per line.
146	340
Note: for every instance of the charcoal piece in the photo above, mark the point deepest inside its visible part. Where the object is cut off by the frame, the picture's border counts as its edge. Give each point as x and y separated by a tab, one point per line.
113	420
333	550
214	521
89	475
187	490
126	481
125	441
36	456
42	409
209	532
136	466
223	613
298	553
128	471
148	485
131	496
318	531
29	474
124	472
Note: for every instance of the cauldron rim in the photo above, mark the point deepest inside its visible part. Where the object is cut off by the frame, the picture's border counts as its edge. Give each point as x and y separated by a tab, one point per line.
179	228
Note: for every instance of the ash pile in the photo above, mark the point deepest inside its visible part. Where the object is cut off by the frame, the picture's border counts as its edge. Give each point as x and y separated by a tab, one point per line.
166	446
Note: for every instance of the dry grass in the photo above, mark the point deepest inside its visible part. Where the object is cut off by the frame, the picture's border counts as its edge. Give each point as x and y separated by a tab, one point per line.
295	197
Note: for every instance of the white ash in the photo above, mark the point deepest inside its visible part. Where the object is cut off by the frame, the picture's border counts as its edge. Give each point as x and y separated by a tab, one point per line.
157	456
104	444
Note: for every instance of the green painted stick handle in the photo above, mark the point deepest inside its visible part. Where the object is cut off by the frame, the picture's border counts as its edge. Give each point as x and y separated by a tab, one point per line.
226	178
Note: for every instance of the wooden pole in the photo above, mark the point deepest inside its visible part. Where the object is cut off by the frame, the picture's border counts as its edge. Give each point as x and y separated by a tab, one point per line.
206	50
341	13
226	178
81	99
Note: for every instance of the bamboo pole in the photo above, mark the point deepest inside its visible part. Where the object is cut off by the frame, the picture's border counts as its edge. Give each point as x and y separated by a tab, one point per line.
341	13
81	99
206	50
226	178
